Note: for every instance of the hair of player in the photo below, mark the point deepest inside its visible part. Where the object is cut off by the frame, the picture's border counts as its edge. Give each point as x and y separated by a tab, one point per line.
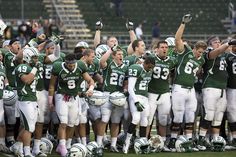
87	52
200	44
161	42
149	59
135	43
211	39
70	58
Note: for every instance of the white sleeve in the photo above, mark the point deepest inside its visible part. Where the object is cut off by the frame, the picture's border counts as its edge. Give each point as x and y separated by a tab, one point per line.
56	53
131	86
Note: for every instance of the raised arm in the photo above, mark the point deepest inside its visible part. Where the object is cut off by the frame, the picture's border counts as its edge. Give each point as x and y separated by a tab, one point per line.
97	37
179	34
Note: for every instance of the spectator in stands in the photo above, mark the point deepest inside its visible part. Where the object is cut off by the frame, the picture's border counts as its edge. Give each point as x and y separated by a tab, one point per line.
155	33
53	28
139	31
118	7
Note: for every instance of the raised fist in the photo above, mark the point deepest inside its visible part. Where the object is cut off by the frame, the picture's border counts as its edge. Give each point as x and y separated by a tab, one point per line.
186	18
129	25
99	25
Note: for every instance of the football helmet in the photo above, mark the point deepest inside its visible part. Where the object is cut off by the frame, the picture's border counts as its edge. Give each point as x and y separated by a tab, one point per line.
141	146
3	26
117	98
183	144
45	146
218	144
101	50
28	53
156	143
98	98
170	41
77	150
94	150
82	44
9	97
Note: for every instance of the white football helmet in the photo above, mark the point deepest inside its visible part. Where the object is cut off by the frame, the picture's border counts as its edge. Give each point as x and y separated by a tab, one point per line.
3	26
117	98
45	146
98	98
170	41
183	144
9	97
156	143
100	50
77	150
28	53
218	144
82	44
141	146
94	150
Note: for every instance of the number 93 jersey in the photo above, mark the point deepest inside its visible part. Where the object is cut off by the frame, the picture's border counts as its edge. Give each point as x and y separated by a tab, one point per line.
187	67
114	77
159	83
143	78
68	81
26	92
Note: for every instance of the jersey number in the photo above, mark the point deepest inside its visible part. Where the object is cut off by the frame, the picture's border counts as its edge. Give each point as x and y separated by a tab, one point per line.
116	79
71	84
158	72
222	65
189	69
1	82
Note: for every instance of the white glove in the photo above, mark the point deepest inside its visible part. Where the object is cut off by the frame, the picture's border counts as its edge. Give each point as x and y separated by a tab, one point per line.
186	18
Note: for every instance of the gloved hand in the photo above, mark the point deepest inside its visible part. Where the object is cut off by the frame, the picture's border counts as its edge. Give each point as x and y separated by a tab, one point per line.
36	65
99	25
129	25
186	18
8	88
55	38
232	42
115	48
139	106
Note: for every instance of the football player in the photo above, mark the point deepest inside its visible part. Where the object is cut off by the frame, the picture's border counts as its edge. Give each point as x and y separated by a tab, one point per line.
115	79
158	88
184	102
68	74
139	77
214	88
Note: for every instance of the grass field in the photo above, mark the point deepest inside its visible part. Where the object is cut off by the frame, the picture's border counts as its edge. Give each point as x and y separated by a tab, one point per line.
131	154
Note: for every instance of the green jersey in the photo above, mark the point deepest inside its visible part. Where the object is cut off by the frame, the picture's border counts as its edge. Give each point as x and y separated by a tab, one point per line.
93	69
9	63
2	78
114	76
159	83
26	92
3	51
231	69
68	81
143	78
40	84
125	50
187	67
215	73
130	60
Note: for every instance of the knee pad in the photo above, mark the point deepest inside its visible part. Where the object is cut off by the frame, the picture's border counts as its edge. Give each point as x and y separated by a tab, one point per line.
189	126
175	127
163	119
135	118
189	116
205	124
105	118
232	126
144	121
217	119
209	116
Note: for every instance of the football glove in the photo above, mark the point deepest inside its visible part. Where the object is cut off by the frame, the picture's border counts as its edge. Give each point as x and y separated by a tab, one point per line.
115	48
99	25
9	88
129	25
139	106
186	18
55	38
232	42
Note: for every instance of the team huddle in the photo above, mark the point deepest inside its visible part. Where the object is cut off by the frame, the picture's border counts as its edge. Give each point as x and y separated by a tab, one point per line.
50	99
